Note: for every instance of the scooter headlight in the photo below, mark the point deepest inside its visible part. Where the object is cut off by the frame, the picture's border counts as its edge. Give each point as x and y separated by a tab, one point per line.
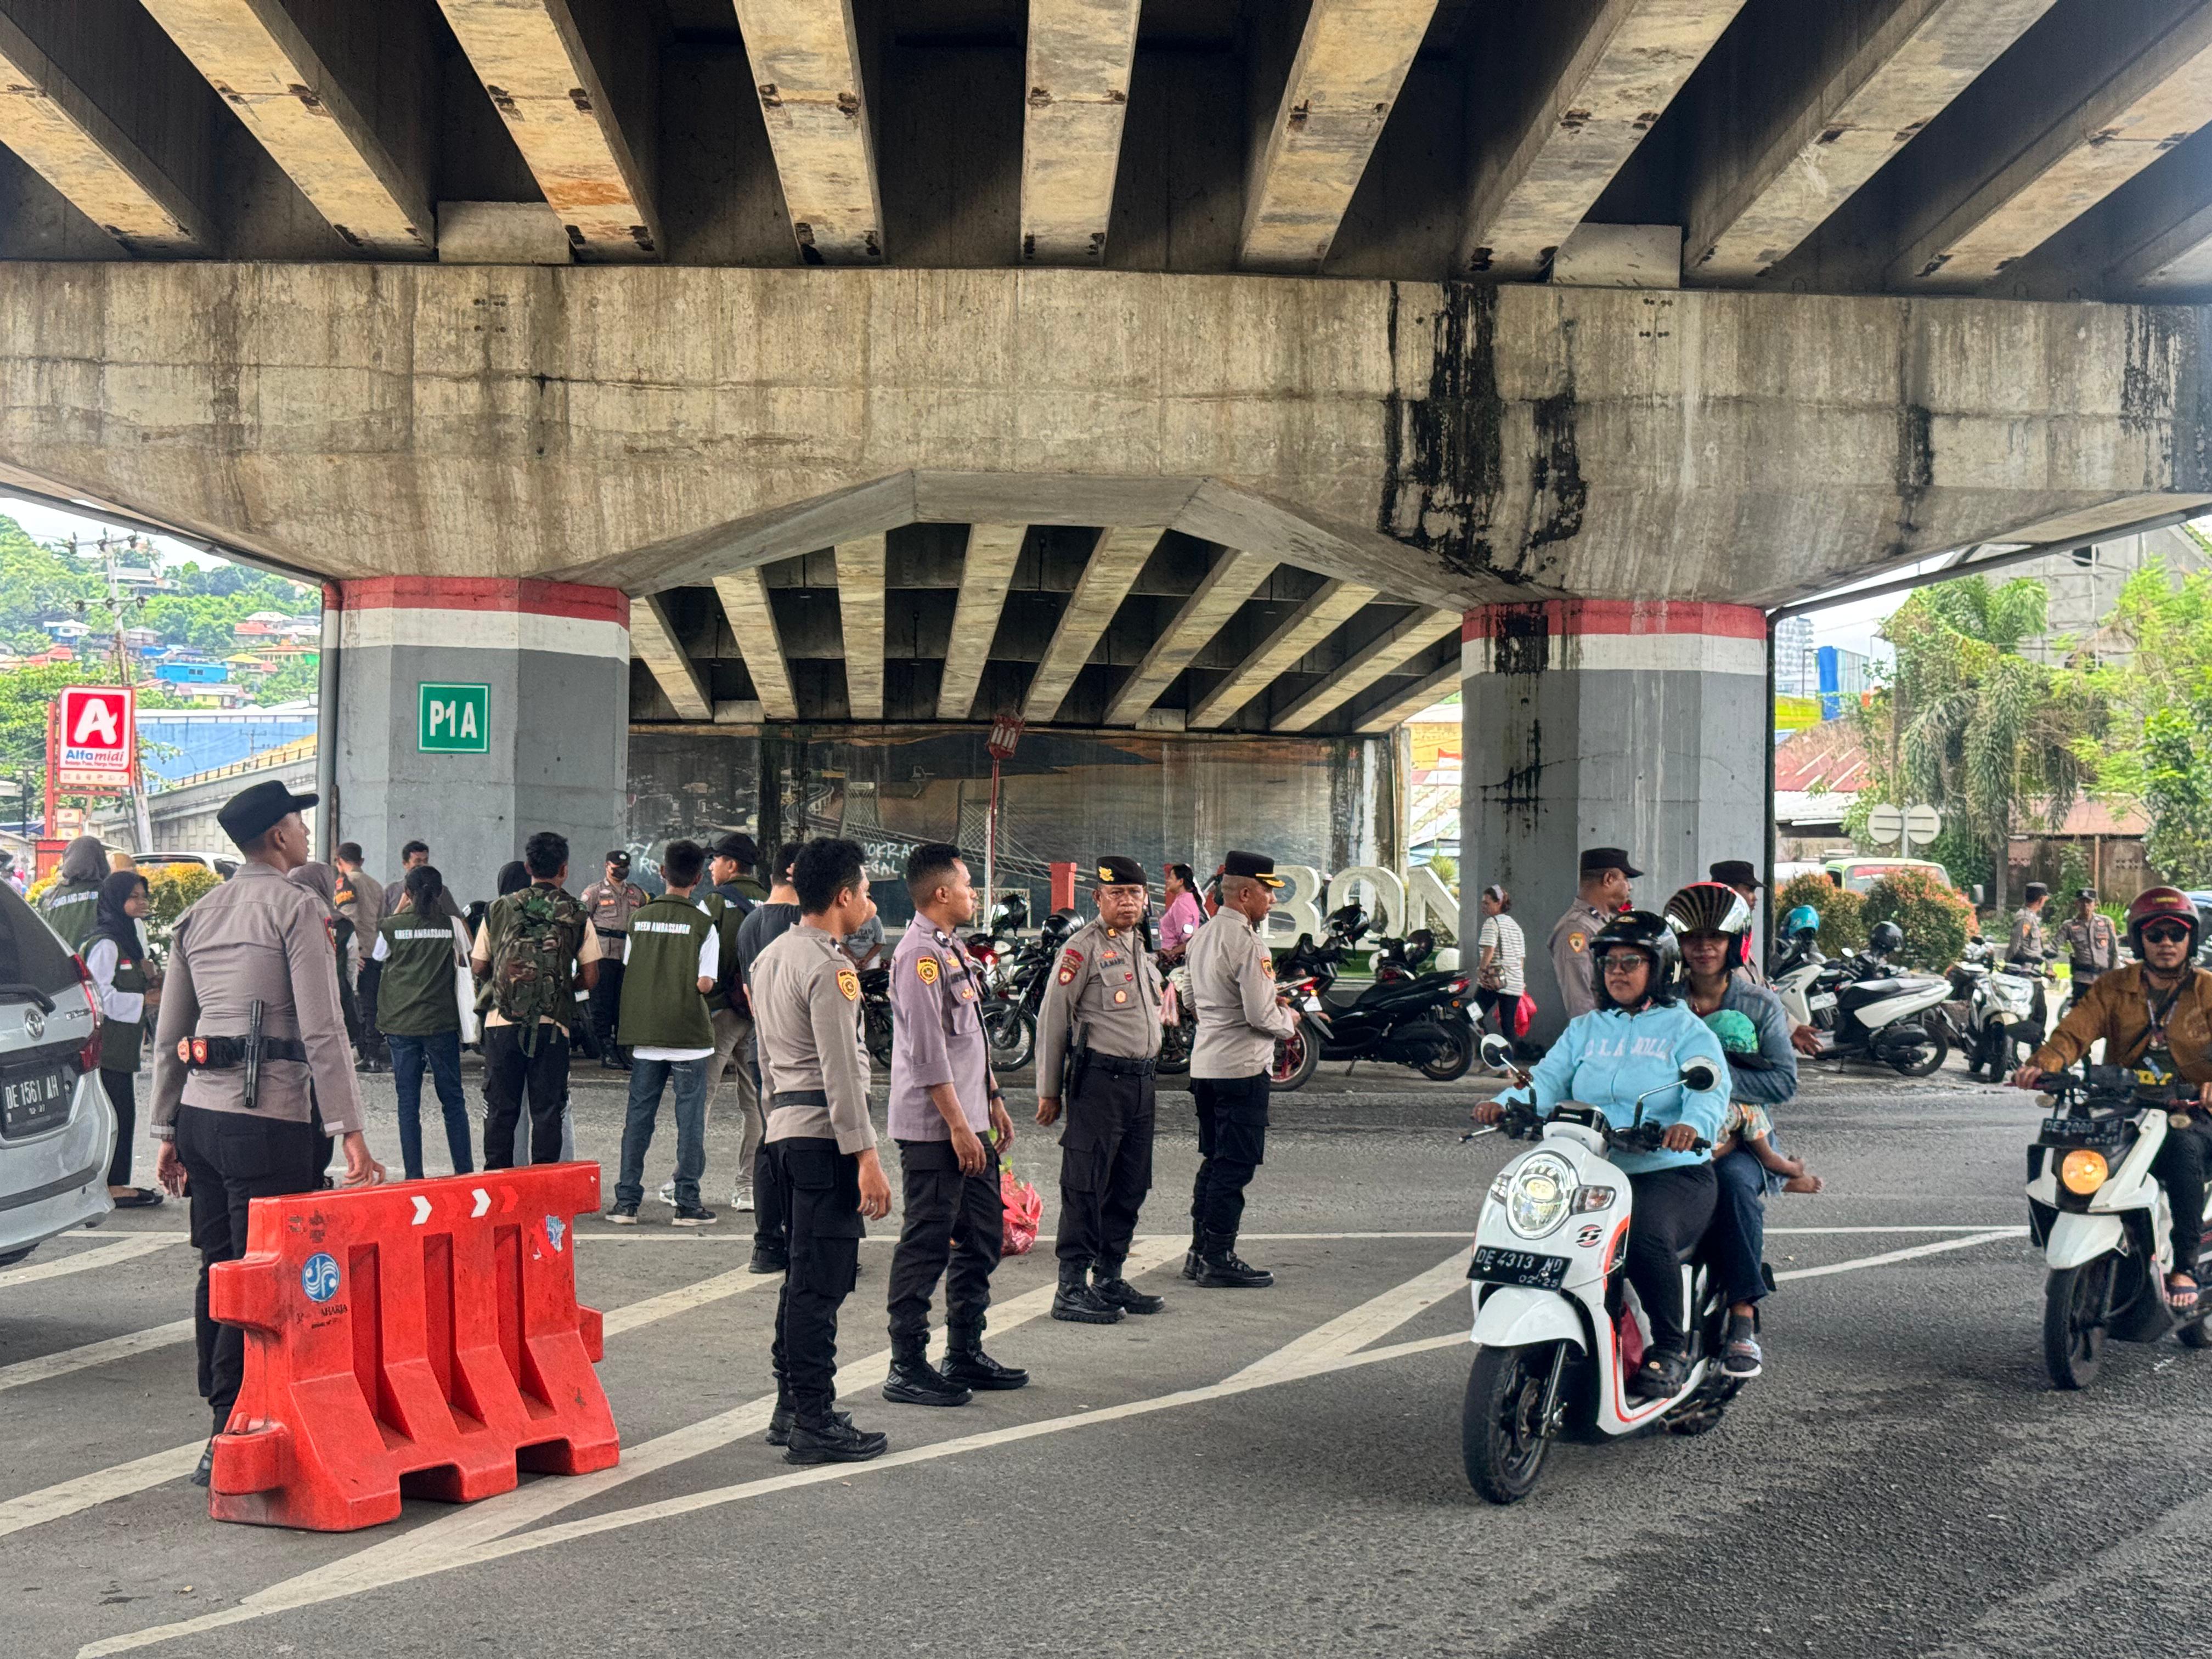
1542	1192
2084	1171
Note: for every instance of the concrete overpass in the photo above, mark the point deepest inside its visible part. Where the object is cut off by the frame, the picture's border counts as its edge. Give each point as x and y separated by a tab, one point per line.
1197	368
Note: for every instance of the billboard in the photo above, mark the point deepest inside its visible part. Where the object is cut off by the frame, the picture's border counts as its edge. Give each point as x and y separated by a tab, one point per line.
95	737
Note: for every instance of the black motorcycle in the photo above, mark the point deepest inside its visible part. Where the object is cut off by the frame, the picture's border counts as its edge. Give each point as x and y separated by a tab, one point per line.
1410	1018
1009	1012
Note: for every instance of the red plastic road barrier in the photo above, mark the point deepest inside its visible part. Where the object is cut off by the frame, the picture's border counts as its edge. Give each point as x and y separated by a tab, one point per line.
422	1337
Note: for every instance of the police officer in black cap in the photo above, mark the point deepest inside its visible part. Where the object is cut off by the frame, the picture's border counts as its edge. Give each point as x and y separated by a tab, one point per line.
252	1066
1604	894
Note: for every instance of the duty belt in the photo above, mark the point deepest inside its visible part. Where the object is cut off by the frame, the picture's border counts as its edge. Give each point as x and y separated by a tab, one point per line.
798	1097
1119	1066
222	1054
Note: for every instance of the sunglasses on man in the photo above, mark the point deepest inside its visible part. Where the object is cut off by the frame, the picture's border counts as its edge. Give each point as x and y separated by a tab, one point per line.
2171	933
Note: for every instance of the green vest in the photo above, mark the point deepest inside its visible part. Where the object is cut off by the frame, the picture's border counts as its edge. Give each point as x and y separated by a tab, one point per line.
120	1041
661	1007
68	908
415	996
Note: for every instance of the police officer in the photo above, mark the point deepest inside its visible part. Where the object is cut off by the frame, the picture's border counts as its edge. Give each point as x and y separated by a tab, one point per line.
2093	945
1241	1017
361	902
610	903
2030	946
821	1145
1098	1044
1604	893
251	966
944	1103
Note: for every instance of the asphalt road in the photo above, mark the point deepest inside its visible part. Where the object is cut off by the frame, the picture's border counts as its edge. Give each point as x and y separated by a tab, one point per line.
1247	1472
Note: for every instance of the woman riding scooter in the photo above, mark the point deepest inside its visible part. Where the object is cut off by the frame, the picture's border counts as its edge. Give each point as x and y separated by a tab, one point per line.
1633	1042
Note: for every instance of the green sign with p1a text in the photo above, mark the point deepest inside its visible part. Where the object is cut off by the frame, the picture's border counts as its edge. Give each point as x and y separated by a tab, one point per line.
454	719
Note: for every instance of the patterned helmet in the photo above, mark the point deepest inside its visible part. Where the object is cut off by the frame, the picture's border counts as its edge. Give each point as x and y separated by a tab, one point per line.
2163	904
1708	907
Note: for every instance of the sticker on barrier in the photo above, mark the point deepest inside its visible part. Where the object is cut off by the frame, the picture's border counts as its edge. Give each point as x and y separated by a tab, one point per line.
419	1340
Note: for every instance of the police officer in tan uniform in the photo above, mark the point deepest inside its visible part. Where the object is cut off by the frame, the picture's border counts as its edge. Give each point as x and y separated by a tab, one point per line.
1606	873
1241	1017
608	905
821	1144
1098	1045
2093	943
250	1049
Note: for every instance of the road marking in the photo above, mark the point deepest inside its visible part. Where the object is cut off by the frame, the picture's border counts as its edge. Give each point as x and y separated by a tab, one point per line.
1350	1332
736	1282
1889	1256
37	1508
24	1372
330	1585
100	1255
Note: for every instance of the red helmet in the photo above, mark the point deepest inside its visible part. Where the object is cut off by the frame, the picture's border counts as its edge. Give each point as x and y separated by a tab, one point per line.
2166	904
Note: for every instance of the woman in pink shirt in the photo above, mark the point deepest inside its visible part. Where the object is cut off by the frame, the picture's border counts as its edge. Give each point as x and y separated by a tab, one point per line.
1183	916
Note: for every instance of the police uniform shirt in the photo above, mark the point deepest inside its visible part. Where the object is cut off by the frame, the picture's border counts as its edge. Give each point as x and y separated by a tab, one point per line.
610	904
2027	943
1105	987
1572	936
807	1005
361	902
937	1035
258	937
1232	987
2092	944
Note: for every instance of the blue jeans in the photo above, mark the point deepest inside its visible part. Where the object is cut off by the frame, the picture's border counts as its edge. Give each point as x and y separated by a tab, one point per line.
1739	1226
442	1050
647	1078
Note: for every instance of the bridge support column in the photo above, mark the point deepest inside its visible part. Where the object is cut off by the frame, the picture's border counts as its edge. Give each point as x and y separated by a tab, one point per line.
1606	723
473	712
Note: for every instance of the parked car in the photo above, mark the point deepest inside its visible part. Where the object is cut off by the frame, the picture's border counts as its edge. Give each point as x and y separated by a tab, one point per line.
56	1129
1858	875
223	864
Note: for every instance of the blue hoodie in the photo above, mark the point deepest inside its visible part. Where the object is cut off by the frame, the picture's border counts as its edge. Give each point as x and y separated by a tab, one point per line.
1607	1058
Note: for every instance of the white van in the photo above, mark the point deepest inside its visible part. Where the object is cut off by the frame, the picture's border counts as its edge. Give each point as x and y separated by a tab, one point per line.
56	1129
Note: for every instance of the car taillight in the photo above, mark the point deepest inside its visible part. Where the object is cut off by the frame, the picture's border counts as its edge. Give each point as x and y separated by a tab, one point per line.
87	1059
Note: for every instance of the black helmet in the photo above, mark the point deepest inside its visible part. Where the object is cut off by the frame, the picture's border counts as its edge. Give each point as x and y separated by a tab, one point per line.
1639	930
1886	936
1710	907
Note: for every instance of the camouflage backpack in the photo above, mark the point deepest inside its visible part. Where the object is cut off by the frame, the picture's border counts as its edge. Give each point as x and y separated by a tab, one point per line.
533	959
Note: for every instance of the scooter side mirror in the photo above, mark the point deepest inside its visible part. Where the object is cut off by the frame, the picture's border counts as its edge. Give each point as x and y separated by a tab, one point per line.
1698	1076
1496	1053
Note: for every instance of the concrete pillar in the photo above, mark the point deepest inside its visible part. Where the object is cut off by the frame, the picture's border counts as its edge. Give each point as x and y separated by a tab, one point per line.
1607	723
533	733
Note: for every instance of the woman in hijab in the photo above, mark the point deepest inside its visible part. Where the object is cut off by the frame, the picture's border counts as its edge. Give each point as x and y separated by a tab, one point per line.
322	881
117	963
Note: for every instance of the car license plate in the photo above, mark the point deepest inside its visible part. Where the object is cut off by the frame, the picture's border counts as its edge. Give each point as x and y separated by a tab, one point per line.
32	1102
1500	1267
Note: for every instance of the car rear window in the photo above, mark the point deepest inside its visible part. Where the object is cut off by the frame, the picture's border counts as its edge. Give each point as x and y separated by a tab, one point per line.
29	952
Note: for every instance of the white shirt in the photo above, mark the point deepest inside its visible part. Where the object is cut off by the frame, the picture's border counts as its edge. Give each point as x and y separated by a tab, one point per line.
1503	935
99	960
710	967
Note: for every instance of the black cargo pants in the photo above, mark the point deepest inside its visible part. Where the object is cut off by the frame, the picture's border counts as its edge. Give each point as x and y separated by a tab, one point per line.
955	1227
821	1191
1105	1166
1232	1142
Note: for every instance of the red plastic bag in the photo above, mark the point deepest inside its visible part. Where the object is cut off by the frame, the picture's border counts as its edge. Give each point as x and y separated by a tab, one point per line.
1524	1014
1024	1214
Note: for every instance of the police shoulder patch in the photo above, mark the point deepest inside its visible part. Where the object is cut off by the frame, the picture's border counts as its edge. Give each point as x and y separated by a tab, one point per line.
1267	966
849	983
926	969
1575	942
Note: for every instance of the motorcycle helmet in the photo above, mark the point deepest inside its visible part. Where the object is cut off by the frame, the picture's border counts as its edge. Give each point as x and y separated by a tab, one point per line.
1638	930
1734	1027
2163	904
1010	915
1886	937
1707	907
1803	922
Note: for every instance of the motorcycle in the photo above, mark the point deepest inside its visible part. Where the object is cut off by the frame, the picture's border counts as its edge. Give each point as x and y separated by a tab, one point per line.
1009	1011
1300	976
1414	1019
1998	1009
1557	1334
2101	1218
876	1015
1864	1008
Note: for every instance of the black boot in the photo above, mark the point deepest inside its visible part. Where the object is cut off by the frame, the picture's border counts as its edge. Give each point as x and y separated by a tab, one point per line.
205	1472
1220	1267
966	1363
914	1382
833	1440
1190	1257
1075	1300
767	1259
780	1421
1115	1291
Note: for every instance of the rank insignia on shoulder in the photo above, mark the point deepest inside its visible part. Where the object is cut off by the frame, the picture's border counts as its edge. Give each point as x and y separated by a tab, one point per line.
848	982
1072	960
924	969
1065	977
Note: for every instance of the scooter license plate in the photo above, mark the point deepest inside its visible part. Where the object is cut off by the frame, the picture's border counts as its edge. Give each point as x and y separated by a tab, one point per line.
1501	1266
2083	1131
1821	1000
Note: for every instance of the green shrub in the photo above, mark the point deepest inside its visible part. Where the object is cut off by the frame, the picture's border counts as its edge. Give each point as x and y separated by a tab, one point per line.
1843	924
1445	868
173	888
1935	920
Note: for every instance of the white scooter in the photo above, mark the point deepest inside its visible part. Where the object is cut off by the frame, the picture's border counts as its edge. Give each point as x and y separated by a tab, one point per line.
1556	1322
2102	1217
1864	1011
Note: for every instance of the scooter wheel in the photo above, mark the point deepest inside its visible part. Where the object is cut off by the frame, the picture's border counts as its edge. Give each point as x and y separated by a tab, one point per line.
1501	1432
2076	1302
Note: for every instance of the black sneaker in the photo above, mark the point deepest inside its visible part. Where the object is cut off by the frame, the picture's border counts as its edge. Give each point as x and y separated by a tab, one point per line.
1118	1293
914	1382
694	1215
969	1367
768	1260
205	1472
1079	1303
623	1215
833	1441
779	1424
1219	1268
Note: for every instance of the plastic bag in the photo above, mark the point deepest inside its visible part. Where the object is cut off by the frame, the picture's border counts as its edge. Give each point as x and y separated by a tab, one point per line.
1524	1014
1025	1214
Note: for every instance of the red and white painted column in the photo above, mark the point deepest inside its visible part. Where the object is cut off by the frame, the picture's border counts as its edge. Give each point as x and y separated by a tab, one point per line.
472	711
1637	724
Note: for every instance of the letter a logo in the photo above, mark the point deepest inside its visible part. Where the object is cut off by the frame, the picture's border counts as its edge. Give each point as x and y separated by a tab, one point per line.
97	723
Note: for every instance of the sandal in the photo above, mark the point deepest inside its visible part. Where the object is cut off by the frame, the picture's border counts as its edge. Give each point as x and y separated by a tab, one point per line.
2181	1296
1659	1376
135	1197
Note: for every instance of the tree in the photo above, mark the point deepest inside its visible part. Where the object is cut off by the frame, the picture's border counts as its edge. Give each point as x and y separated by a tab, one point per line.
1993	740
27	694
2162	758
300	678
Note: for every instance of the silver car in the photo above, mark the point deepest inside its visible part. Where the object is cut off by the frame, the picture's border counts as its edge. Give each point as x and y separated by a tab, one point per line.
56	1129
